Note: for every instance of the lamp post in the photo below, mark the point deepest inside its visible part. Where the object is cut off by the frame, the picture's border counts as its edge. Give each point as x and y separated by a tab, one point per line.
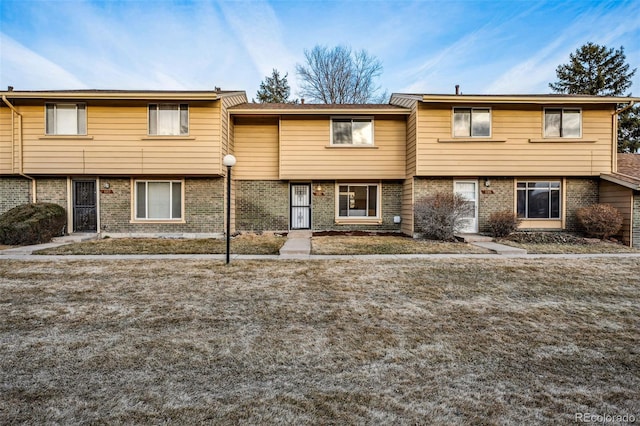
229	161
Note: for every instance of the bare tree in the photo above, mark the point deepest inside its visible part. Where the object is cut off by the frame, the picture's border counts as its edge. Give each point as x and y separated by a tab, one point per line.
339	76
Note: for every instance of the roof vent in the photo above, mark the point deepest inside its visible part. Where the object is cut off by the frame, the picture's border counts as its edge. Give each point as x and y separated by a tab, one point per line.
457	89
10	89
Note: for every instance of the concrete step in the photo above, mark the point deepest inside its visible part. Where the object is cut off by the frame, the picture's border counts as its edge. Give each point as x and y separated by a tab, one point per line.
499	248
472	238
76	237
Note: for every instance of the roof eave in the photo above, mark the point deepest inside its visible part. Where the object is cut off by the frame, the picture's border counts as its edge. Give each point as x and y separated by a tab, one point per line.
195	96
369	111
527	99
620	180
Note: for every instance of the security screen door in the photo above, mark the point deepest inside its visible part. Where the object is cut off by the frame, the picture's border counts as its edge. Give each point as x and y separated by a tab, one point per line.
300	206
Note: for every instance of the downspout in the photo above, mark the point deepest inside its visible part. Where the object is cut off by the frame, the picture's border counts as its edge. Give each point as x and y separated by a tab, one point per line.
614	157
21	166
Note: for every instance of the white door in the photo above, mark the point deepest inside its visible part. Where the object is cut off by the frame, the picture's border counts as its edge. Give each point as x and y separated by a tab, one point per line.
469	190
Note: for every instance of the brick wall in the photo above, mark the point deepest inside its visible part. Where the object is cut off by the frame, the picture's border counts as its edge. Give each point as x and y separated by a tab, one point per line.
499	196
636	219
203	209
52	190
262	205
580	192
324	205
14	191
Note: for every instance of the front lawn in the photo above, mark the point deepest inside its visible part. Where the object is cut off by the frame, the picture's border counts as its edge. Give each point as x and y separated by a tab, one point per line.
386	244
449	341
242	244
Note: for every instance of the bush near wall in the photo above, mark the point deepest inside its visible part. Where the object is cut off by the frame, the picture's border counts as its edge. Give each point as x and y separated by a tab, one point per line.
600	220
440	216
32	224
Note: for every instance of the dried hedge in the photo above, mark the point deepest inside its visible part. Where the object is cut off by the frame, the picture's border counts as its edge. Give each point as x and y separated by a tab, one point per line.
600	220
32	224
503	223
440	216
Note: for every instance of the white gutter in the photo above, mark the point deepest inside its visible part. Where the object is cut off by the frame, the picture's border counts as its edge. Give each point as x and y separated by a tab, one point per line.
21	166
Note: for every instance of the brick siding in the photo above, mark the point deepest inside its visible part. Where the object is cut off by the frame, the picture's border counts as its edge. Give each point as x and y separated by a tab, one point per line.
52	190
14	191
203	209
580	192
262	205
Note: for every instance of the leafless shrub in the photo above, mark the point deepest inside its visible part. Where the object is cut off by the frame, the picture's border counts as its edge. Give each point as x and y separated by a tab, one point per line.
503	223
440	216
600	220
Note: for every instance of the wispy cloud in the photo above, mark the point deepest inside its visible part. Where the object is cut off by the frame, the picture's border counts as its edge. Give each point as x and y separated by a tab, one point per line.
594	25
258	28
24	69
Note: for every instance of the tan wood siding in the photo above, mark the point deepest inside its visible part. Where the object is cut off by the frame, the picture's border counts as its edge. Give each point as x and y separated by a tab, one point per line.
407	207
256	148
305	151
6	140
511	152
226	130
117	143
622	199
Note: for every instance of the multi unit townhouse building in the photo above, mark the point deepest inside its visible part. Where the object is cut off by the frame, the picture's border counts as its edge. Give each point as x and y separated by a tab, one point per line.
150	162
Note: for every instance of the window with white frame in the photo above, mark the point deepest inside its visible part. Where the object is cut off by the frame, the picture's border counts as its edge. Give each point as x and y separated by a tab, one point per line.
562	122
472	122
358	201
539	200
168	119
352	131
66	119
158	200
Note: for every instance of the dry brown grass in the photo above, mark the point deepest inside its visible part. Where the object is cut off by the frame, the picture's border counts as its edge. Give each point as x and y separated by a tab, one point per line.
354	245
593	247
242	244
505	341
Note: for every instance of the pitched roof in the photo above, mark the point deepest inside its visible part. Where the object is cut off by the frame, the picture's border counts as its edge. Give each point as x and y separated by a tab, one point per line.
120	94
277	109
629	164
553	98
628	173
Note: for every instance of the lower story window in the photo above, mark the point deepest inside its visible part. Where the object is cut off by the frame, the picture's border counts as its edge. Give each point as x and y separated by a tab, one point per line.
158	200
539	200
359	200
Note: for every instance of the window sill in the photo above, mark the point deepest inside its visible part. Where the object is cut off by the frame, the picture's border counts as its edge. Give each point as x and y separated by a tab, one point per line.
359	221
174	221
346	146
562	140
470	140
167	137
77	137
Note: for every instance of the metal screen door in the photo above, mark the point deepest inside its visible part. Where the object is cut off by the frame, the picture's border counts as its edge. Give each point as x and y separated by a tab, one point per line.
300	206
84	206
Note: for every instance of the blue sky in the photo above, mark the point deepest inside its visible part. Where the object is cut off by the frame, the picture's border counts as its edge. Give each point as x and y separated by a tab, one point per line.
425	46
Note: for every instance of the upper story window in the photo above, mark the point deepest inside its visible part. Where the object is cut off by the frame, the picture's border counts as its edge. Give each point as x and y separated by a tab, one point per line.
562	122
168	119
472	122
352	131
66	119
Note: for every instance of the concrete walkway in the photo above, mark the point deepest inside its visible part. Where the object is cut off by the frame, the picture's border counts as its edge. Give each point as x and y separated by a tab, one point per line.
297	247
298	244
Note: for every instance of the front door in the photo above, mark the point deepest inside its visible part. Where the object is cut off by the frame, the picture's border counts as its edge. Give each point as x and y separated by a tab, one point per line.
300	206
469	190
84	206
